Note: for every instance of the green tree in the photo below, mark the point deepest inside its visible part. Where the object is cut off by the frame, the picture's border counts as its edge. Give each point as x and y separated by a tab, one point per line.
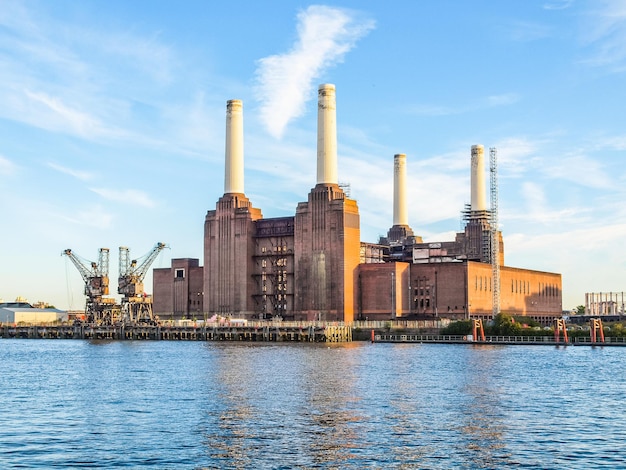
580	310
505	325
462	327
524	320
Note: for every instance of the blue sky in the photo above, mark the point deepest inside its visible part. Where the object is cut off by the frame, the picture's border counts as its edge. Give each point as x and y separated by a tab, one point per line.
112	123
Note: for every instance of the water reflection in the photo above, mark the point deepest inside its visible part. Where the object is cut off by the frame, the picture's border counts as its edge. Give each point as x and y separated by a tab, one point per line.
482	422
193	405
295	399
329	408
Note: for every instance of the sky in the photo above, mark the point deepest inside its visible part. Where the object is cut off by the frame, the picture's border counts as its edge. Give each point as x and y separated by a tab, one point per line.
112	125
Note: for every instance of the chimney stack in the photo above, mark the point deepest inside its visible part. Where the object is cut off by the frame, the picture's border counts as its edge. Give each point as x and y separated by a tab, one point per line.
233	175
400	209
478	188
326	135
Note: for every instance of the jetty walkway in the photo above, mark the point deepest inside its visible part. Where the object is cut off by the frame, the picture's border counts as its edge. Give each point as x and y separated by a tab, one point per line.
300	332
494	340
259	331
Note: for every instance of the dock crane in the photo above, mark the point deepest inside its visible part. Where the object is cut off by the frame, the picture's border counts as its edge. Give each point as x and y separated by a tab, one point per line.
136	304
99	310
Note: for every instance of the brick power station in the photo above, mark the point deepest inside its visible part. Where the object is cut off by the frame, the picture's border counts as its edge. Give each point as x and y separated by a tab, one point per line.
314	266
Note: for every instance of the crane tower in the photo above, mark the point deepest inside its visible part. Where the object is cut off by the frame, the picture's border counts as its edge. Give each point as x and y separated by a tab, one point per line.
99	310
136	304
495	239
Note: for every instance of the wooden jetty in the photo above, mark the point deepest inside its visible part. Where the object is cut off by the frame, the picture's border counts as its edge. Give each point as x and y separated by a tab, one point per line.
303	332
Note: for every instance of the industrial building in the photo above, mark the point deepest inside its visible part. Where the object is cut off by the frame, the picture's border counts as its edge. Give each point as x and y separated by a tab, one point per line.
313	266
20	311
605	303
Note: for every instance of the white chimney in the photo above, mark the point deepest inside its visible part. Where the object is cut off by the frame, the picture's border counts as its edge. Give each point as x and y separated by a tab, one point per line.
233	174
400	209
326	135
478	189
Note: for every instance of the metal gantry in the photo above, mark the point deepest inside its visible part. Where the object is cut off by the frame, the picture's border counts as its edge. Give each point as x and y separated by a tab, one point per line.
495	239
136	304
99	310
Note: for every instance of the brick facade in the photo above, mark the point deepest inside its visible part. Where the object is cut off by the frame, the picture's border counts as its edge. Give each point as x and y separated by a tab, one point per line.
455	290
178	290
326	255
229	248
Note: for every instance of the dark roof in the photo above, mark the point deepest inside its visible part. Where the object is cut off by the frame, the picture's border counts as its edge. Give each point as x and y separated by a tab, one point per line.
15	305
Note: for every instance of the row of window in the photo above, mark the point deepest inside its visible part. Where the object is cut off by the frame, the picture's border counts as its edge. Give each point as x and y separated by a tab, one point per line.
518	286
548	290
482	283
277	249
281	276
280	262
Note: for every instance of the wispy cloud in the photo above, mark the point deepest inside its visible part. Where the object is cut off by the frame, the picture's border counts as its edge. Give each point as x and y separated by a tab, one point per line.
517	155
54	114
7	167
606	35
96	217
285	81
558	5
502	100
78	174
67	78
614	143
590	239
131	197
492	101
526	31
581	170
538	209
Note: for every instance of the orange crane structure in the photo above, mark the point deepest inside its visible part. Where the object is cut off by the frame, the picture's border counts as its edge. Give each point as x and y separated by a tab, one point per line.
136	306
99	310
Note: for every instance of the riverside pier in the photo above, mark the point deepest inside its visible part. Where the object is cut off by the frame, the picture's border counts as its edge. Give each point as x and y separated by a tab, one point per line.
272	332
416	332
497	340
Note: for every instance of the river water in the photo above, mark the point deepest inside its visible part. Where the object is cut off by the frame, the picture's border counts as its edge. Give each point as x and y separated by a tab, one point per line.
195	405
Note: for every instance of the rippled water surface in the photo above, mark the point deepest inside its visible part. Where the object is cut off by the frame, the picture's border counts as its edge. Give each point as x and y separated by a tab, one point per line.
188	405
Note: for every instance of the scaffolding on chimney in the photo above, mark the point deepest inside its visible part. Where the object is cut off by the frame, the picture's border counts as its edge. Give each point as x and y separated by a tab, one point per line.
495	239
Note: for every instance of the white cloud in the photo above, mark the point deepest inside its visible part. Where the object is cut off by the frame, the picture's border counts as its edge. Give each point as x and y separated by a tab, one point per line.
502	100
95	217
558	5
7	167
67	78
581	170
516	156
612	143
57	115
493	101
285	81
78	174
130	197
606	34
535	198
526	31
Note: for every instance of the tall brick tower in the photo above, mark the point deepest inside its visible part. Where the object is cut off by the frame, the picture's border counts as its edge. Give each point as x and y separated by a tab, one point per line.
327	232
229	233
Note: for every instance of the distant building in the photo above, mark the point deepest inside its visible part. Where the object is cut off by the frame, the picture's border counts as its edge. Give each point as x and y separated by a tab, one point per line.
23	312
605	303
313	266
